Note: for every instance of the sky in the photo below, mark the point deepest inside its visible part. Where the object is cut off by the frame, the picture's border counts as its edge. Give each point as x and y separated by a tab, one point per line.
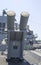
33	7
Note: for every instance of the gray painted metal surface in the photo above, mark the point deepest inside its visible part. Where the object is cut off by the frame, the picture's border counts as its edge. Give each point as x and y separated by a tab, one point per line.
10	20
15	44
16	38
23	20
3	19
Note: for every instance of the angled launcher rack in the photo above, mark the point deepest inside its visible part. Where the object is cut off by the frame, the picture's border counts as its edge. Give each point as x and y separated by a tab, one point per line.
16	37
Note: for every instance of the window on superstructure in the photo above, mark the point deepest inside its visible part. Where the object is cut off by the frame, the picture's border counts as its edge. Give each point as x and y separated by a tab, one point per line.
3	25
0	25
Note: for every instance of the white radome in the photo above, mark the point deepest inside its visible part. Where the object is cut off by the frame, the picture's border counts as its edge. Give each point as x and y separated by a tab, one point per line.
26	14
10	13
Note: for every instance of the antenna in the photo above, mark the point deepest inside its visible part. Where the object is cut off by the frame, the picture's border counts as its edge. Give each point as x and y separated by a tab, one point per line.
4	11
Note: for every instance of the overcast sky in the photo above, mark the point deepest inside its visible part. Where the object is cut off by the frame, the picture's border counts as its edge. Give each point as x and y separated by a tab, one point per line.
33	7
